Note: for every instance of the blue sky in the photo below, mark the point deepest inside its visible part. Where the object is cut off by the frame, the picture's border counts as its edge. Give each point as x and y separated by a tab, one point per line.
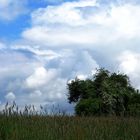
46	43
12	29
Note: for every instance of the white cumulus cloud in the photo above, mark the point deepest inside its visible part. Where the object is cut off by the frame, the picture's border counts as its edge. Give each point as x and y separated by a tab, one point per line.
84	23
129	64
10	96
40	77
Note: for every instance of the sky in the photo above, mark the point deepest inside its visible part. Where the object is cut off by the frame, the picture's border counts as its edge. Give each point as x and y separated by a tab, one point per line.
46	43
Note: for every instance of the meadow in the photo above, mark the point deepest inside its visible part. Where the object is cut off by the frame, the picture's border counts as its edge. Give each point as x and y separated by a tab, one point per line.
29	124
38	127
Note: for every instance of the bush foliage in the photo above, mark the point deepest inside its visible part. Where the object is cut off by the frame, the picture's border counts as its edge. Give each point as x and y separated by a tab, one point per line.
105	94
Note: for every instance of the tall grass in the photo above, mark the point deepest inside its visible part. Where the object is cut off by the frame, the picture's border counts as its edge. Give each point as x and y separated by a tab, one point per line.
28	125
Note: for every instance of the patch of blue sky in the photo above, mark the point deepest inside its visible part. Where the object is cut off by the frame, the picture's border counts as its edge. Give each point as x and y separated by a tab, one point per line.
57	2
34	4
11	30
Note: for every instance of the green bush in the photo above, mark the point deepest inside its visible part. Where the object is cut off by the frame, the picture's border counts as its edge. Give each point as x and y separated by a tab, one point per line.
88	107
106	93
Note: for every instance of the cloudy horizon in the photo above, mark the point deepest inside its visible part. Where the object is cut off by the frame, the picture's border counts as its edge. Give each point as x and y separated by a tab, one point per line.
45	43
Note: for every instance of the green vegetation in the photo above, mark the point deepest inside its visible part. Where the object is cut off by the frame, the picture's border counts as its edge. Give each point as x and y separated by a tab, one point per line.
30	124
105	94
68	128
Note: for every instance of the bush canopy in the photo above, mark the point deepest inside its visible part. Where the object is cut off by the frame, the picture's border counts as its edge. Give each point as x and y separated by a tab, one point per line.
105	93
